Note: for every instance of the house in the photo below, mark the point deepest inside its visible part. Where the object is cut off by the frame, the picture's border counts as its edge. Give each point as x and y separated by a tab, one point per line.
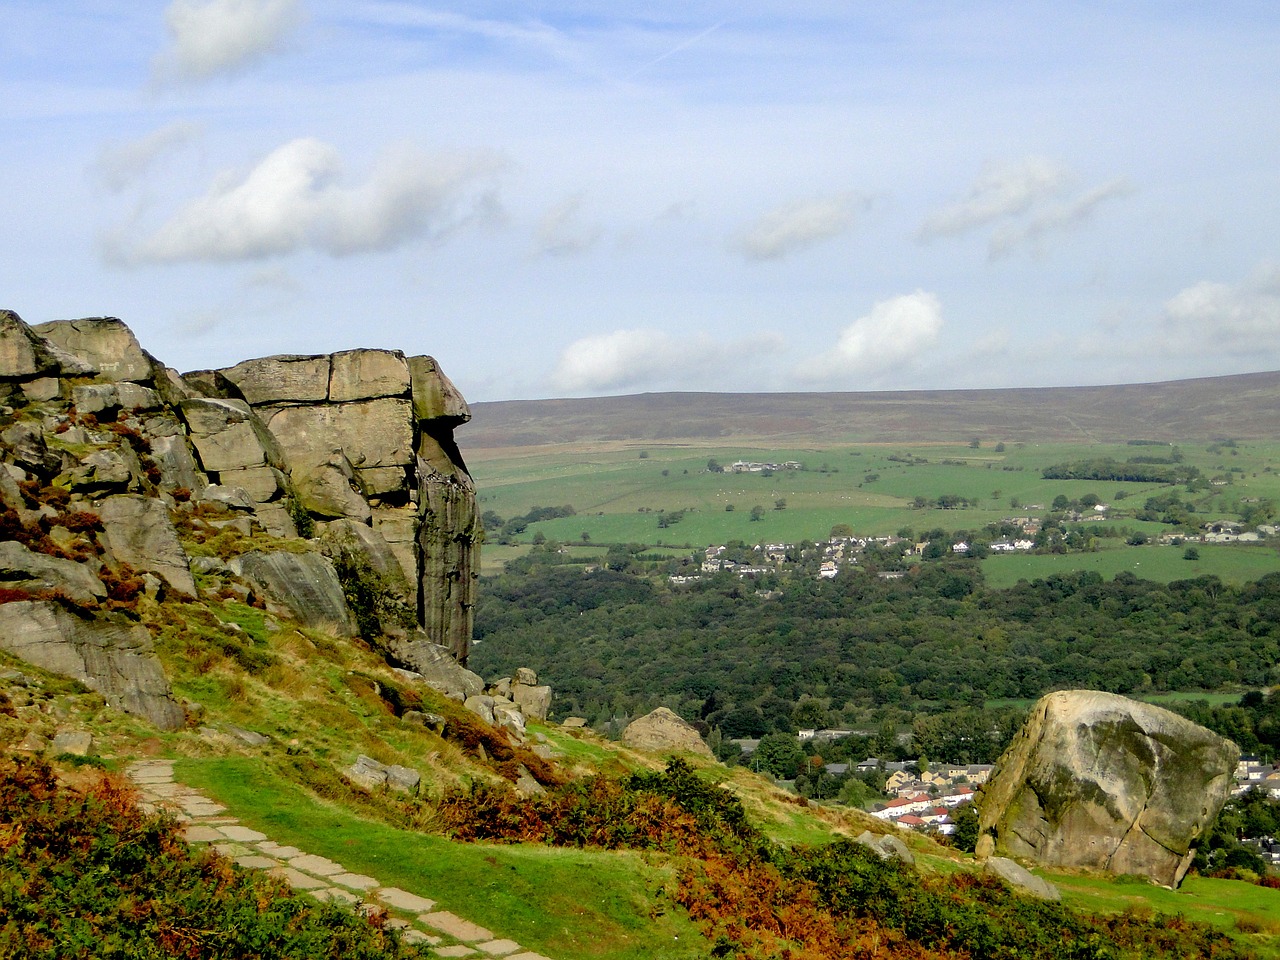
828	570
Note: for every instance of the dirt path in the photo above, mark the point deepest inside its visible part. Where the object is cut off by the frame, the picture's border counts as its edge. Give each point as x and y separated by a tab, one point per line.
205	821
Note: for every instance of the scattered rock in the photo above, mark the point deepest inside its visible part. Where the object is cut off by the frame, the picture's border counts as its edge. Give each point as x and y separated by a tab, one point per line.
78	743
886	847
1020	878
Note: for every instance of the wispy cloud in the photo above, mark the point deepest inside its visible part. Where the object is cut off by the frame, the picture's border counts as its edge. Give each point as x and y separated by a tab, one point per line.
562	230
210	37
800	225
1000	192
1007	239
894	333
120	164
294	200
649	358
1024	203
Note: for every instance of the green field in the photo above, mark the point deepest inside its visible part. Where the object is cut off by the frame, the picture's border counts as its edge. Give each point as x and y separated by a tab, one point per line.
622	496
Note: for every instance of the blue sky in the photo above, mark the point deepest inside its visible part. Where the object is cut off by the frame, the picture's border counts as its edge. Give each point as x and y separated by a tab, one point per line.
569	199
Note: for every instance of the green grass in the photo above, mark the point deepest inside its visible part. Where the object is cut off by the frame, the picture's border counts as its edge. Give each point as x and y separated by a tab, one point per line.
1230	905
619	497
569	904
1232	563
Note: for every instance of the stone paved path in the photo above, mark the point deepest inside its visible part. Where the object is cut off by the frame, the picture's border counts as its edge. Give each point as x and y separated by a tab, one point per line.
204	821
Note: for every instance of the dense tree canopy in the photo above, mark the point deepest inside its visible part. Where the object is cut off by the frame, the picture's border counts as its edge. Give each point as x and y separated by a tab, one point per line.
613	643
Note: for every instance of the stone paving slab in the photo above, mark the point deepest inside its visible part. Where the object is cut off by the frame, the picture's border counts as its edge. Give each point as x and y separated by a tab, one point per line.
310	873
498	948
356	881
455	926
252	862
297	880
199	833
404	900
318	865
279	851
338	894
417	936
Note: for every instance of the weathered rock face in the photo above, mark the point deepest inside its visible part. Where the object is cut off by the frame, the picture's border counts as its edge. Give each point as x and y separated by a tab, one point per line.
1099	781
112	657
663	731
367	434
357	445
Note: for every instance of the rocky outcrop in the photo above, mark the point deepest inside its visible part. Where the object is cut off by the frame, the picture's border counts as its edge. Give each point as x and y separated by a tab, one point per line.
1098	781
103	450
111	656
663	731
367	434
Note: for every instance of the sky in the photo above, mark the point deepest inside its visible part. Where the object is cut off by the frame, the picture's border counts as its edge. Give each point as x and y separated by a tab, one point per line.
565	198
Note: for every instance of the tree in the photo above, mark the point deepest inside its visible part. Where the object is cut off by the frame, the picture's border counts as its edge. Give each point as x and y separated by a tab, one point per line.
780	504
713	466
780	755
1191	553
966	820
586	537
975	443
841	530
757	512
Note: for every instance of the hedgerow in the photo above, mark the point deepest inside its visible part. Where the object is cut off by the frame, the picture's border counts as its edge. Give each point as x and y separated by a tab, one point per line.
84	873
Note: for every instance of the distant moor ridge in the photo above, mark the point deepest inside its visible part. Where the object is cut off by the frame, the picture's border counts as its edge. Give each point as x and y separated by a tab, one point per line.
1246	406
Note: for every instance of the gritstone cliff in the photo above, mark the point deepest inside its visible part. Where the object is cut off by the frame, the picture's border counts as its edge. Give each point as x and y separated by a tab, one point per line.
107	455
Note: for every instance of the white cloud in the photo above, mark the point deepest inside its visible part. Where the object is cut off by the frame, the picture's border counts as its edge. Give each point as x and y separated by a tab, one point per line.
562	232
1062	217
1210	318
894	333
121	163
1000	192
799	225
293	200
646	357
220	36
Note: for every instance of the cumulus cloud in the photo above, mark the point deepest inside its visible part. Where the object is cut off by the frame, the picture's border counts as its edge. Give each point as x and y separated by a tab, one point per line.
999	192
294	200
120	164
644	357
221	36
1240	319
895	332
562	231
1058	218
799	225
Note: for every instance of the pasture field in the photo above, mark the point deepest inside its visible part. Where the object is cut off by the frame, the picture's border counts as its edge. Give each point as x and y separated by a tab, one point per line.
624	493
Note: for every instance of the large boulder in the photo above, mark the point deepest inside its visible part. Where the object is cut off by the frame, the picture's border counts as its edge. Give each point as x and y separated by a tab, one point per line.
113	657
1099	781
101	345
23	569
23	355
434	665
228	435
282	379
663	731
137	530
365	374
303	584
